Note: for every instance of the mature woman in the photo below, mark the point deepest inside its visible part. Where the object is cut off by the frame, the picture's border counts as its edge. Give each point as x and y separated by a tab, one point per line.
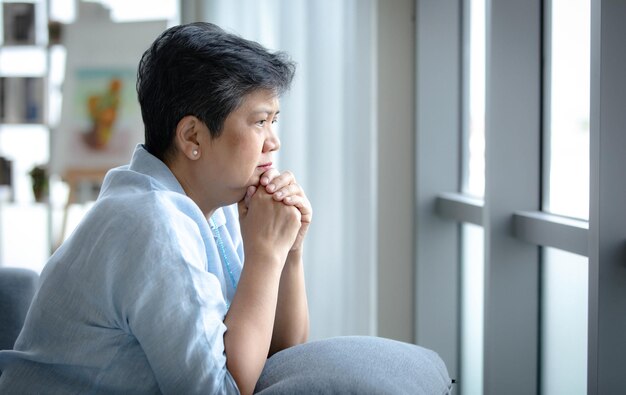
151	294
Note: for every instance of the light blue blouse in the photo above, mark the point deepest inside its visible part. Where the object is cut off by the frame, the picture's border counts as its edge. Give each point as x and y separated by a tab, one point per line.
134	301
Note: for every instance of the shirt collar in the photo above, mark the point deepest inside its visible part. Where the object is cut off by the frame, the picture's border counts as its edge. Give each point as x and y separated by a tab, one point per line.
146	163
217	219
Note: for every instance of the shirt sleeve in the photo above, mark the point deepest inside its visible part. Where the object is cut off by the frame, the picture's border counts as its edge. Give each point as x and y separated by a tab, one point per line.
174	307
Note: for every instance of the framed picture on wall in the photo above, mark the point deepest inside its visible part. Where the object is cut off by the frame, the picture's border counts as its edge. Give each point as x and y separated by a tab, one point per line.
104	113
101	120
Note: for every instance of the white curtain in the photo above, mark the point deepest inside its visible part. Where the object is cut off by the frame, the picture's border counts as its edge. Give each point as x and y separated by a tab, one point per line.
327	129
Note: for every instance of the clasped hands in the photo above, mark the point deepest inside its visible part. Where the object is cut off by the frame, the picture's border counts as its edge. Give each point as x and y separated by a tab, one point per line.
278	210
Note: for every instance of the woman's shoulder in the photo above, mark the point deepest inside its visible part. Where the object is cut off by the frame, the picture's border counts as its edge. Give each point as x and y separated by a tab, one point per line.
149	210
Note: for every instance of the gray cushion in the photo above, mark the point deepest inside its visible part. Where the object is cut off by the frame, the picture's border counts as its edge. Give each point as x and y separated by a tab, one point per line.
355	365
17	287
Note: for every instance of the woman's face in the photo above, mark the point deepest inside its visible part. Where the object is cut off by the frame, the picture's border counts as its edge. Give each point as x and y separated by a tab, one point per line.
237	158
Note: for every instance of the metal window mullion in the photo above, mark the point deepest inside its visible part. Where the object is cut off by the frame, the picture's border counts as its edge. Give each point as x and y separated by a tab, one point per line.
512	183
546	104
460	207
607	216
551	230
438	124
536	227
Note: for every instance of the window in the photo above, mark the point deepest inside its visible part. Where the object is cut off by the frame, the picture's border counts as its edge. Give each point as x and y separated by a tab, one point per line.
567	114
564	323
564	285
473	184
474	161
472	311
552	198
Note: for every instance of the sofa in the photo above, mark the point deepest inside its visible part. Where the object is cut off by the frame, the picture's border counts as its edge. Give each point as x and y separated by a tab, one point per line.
17	288
340	365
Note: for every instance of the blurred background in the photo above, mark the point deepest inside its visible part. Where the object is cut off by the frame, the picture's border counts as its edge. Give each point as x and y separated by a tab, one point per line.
445	147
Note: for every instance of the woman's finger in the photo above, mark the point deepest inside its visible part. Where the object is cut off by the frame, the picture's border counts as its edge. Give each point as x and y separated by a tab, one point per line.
268	176
302	204
287	190
280	181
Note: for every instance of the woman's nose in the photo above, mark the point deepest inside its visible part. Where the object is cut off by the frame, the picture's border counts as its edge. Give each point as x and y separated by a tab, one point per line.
272	143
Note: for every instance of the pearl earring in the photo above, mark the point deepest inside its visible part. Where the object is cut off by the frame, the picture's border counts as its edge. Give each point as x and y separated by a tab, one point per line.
195	152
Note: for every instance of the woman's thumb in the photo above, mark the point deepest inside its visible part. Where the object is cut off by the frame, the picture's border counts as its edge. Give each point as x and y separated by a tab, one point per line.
244	203
249	193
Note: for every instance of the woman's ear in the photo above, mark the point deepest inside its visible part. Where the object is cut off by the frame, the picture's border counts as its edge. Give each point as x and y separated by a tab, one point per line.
187	137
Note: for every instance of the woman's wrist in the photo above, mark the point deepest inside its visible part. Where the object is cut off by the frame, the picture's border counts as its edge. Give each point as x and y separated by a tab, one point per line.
294	256
267	259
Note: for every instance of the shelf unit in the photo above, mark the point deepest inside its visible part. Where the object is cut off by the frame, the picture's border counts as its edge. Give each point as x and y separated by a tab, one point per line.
26	88
29	230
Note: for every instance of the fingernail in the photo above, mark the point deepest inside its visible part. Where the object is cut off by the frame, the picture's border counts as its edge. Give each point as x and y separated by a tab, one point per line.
265	180
271	187
279	194
288	199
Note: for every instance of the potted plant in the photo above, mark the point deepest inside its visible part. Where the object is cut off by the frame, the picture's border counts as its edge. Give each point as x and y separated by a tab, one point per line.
39	178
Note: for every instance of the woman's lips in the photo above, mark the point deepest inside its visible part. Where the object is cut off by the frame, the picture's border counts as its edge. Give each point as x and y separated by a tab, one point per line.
265	166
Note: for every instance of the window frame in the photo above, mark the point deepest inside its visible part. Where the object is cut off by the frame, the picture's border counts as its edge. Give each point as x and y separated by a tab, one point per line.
438	168
607	215
515	227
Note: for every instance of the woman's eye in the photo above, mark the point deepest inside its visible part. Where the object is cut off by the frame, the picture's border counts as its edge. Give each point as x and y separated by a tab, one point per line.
263	122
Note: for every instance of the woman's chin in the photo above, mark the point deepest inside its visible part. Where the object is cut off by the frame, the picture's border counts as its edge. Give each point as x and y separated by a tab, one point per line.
254	181
240	193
